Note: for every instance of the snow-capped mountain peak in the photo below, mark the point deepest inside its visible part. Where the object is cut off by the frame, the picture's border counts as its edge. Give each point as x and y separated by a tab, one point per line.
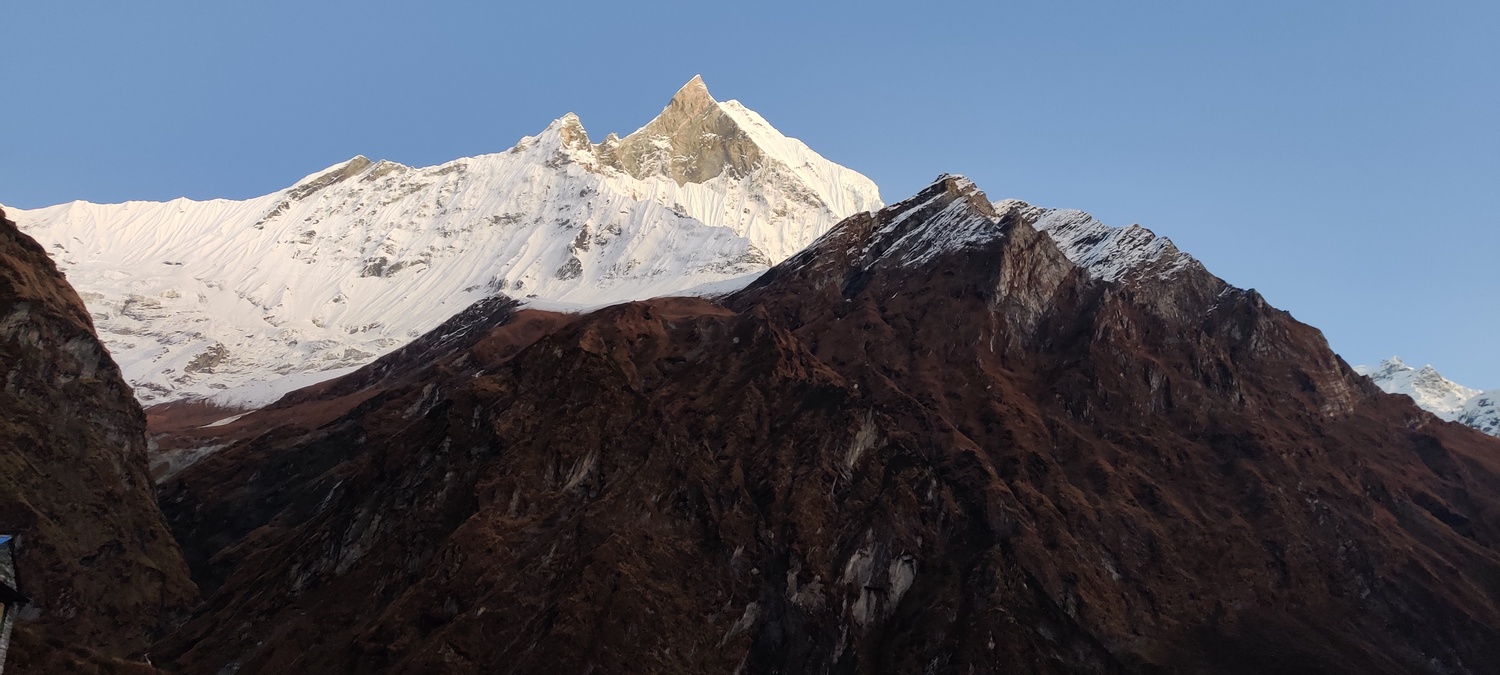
244	300
1429	389
1482	412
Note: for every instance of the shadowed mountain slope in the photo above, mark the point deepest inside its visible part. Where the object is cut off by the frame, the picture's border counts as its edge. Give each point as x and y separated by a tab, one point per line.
94	555
928	443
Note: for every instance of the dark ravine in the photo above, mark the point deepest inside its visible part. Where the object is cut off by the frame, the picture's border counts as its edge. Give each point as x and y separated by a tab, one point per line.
929	443
95	556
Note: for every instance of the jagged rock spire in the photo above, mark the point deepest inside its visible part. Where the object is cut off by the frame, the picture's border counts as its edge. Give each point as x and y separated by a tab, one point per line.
693	96
693	140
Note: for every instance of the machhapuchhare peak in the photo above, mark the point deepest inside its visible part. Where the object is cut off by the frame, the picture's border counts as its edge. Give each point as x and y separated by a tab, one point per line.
695	399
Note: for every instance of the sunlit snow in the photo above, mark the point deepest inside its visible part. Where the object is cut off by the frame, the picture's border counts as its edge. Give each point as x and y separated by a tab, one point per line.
242	301
1437	394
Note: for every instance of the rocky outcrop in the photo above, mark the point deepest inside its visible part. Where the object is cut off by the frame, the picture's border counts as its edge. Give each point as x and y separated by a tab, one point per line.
930	443
104	574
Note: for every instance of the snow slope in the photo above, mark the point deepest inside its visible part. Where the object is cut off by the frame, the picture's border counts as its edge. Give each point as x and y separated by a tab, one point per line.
1438	395
1431	391
241	301
1482	412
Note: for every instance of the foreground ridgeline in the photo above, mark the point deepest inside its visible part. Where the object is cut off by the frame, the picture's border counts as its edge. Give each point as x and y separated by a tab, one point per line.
243	301
94	557
950	436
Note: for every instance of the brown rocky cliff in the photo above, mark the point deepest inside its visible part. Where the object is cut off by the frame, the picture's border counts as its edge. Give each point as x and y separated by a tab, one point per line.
95	556
1196	475
928	444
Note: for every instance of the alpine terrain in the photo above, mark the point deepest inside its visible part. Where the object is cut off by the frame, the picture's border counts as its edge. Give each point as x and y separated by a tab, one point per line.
693	400
1438	395
243	301
951	435
94	555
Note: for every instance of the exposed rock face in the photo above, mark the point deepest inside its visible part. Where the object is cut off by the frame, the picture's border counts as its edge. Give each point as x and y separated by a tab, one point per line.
1124	254
930	443
1108	253
694	140
95	556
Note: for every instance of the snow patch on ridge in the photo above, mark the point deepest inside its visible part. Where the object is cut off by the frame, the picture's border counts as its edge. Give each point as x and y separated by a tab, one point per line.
951	214
1106	252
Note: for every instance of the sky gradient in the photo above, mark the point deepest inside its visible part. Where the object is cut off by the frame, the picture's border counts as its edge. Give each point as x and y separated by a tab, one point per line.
1343	158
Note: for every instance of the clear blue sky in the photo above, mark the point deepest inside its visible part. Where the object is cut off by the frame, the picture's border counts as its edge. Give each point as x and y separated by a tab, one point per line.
1343	157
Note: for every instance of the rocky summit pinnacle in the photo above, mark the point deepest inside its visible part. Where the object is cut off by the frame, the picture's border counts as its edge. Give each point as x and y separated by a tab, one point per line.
693	97
695	139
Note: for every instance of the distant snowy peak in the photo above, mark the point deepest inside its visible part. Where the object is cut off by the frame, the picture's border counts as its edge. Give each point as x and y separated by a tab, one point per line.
1482	412
1436	394
242	300
1431	391
1108	253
